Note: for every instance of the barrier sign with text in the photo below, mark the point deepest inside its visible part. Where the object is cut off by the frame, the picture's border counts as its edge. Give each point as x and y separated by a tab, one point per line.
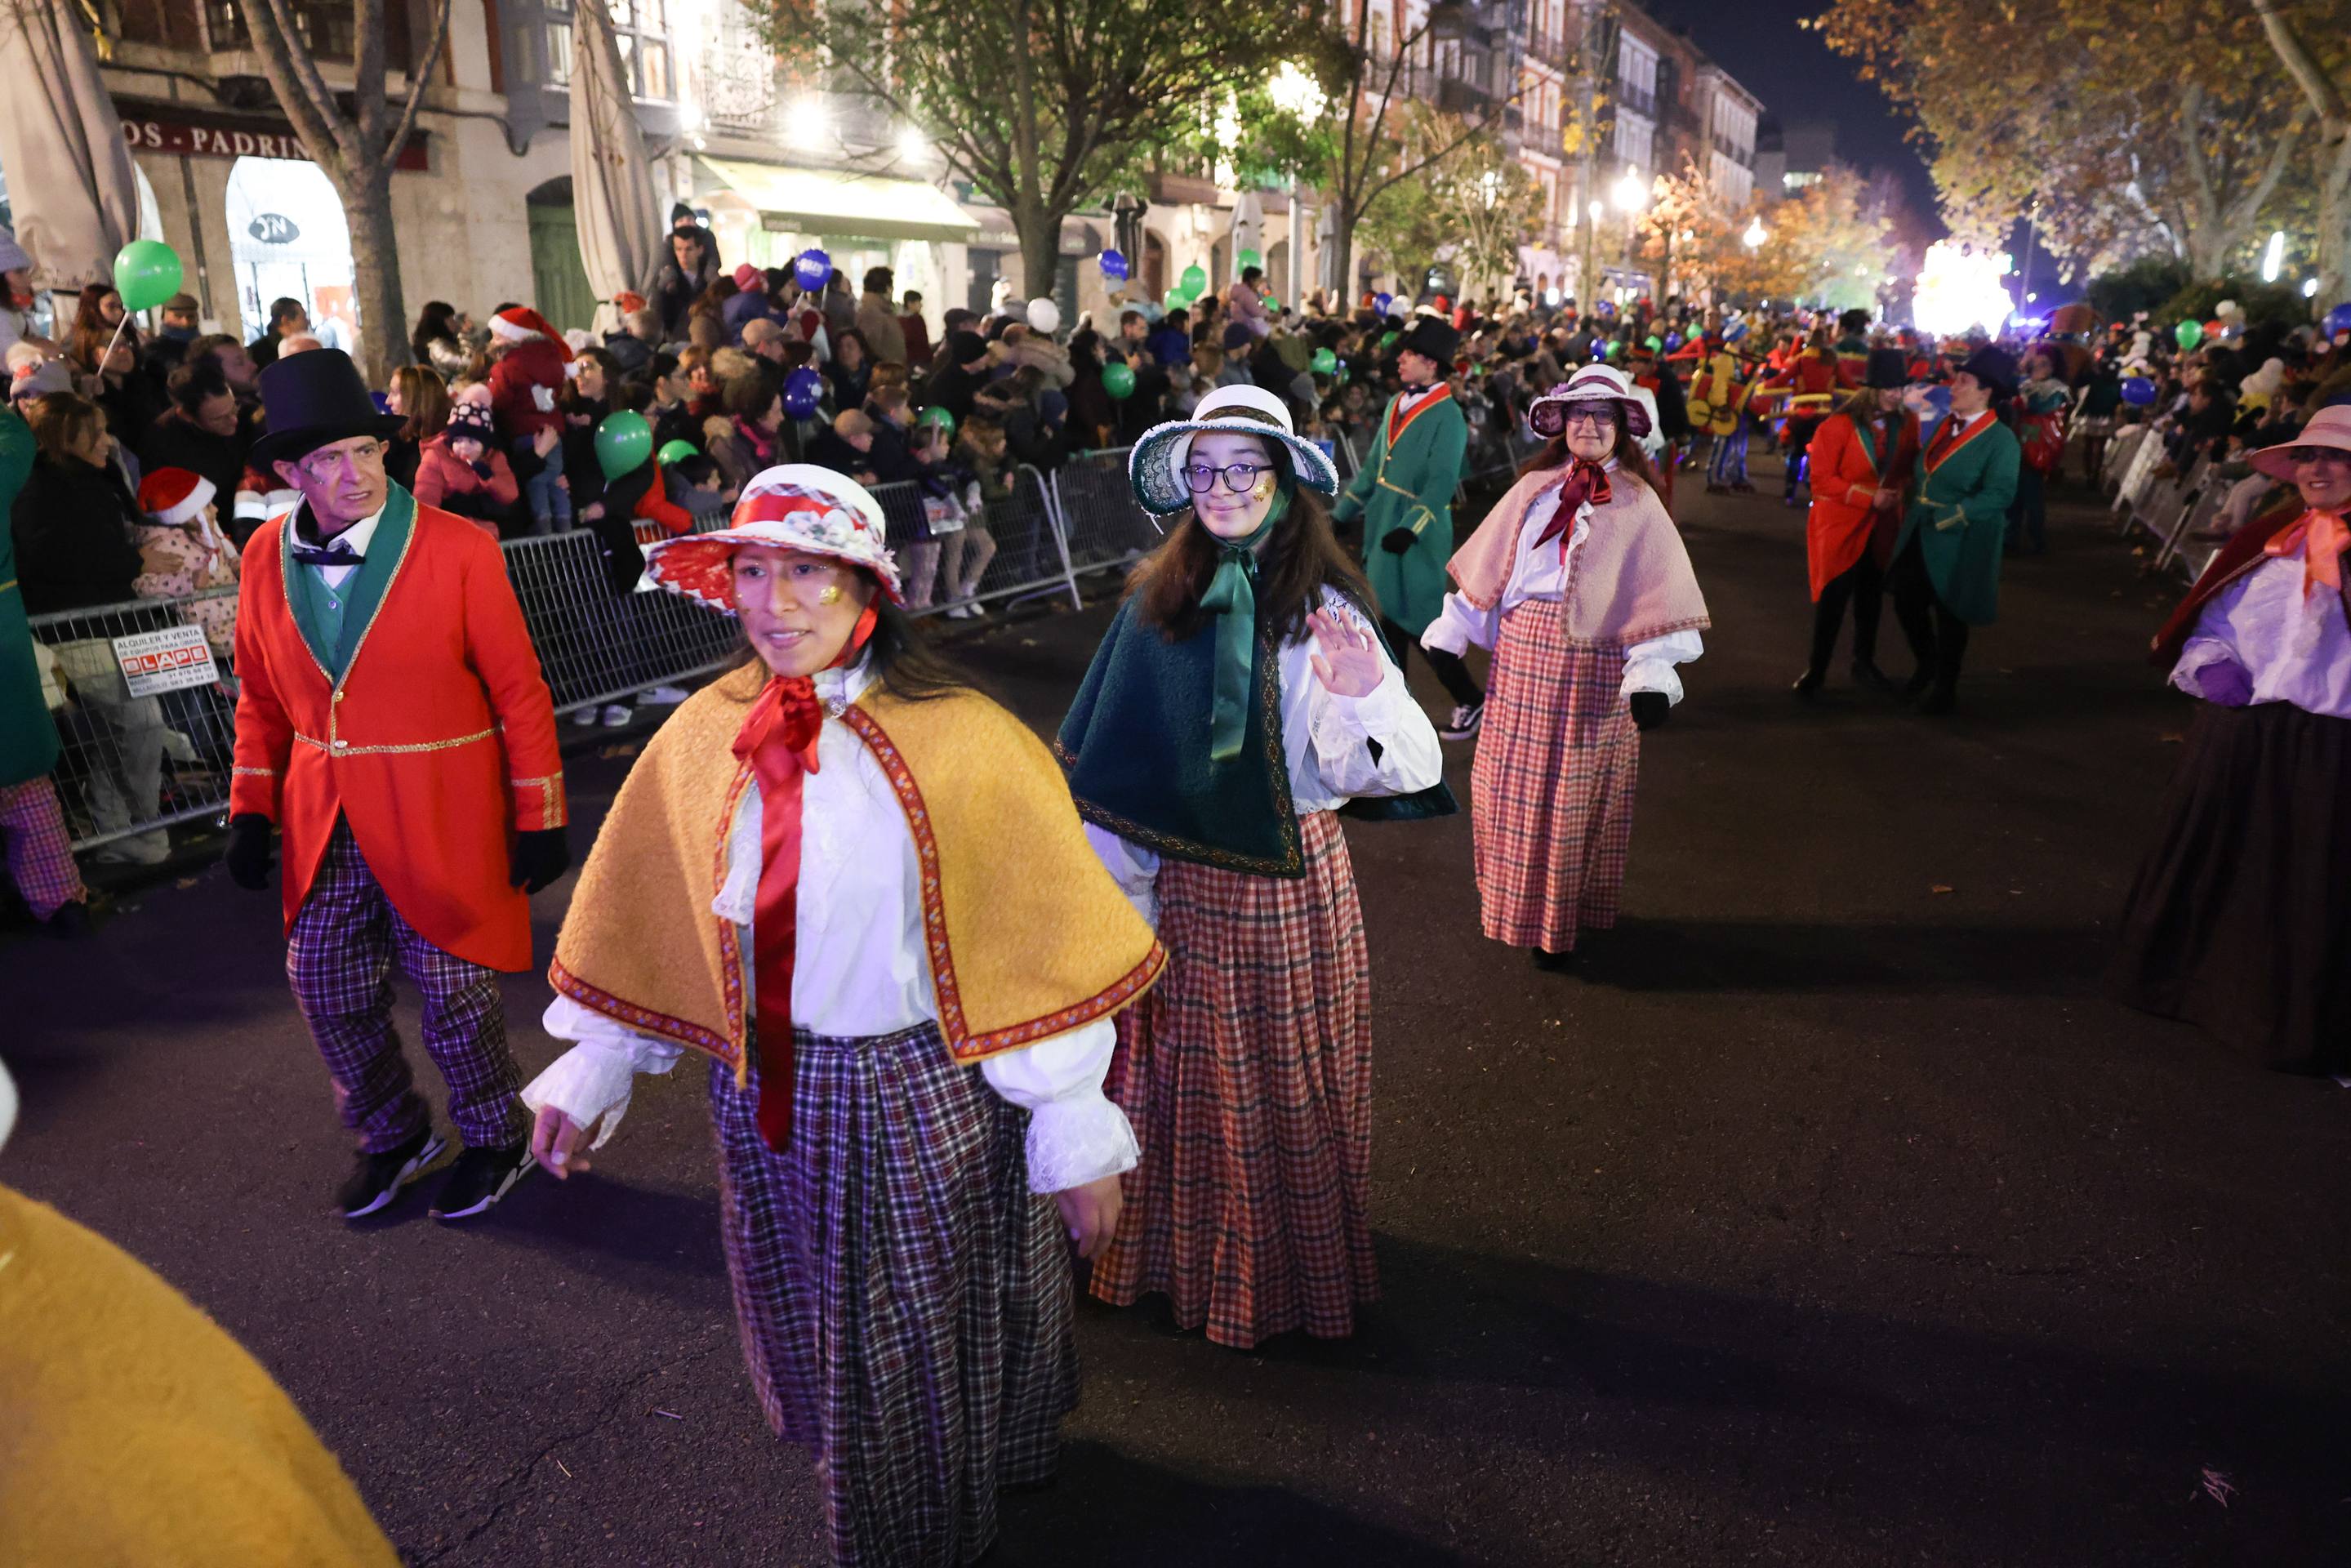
166	661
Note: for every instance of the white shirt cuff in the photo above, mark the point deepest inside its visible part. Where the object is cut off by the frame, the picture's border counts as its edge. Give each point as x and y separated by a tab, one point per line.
1649	666
1377	714
1133	867
593	1081
1075	1134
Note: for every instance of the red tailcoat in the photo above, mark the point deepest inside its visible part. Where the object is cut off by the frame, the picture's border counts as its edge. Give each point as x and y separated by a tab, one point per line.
437	745
1845	480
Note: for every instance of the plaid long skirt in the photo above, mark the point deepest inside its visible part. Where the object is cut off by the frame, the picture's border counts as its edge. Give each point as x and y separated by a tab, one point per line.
1550	794
905	1298
1247	1074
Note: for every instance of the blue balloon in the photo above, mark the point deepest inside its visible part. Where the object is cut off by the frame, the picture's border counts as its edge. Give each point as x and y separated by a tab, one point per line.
811	269
1113	264
1734	332
2138	391
803	388
1381	302
2340	319
1673	341
1599	347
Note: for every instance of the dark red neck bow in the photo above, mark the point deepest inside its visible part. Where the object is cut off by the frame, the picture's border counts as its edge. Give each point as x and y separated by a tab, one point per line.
1585	482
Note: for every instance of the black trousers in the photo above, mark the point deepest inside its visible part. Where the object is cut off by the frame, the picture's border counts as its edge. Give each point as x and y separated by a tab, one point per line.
1451	673
1938	639
1864	586
1800	440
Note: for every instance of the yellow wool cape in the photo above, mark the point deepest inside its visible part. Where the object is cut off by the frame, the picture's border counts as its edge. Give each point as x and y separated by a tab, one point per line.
1027	936
134	1431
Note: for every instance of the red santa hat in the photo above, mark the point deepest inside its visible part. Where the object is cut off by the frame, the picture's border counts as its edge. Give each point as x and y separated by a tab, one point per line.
522	323
175	495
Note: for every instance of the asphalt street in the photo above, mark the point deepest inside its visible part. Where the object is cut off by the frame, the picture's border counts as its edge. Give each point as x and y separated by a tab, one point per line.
1828	1215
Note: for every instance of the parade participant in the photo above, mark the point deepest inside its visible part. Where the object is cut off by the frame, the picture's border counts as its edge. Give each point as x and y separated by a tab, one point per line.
2045	403
393	721
915	958
32	824
1718	403
1946	572
1579	583
1403	493
1240	697
1809	385
1852	348
2240	912
1863	463
1669	415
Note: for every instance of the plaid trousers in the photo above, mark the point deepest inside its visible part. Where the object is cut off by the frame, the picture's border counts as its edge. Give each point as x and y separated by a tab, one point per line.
338	959
40	854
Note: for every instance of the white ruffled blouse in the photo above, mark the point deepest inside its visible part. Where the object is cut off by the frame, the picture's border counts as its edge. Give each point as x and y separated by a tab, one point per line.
859	971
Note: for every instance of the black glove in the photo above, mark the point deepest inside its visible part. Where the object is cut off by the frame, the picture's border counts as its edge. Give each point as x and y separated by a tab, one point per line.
1398	541
482	467
540	858
248	851
1650	709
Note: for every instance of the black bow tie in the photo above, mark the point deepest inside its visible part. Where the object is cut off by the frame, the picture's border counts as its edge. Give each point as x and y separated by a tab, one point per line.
338	553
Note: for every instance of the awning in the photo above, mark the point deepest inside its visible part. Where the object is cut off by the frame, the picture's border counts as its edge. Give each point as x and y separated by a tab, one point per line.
836	202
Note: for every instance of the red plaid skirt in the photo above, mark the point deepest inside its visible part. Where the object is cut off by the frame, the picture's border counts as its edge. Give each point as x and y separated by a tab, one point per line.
1247	1075
904	1298
1551	795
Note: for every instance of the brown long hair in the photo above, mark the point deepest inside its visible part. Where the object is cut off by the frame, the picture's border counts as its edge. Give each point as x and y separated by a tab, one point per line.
1630	458
1302	558
424	401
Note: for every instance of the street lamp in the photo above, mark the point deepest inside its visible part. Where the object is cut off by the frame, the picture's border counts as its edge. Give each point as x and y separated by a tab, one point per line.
2273	256
911	146
1755	235
1629	192
808	124
1296	93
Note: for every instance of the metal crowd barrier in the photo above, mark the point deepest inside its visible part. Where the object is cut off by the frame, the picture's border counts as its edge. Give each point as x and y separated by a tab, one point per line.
1105	530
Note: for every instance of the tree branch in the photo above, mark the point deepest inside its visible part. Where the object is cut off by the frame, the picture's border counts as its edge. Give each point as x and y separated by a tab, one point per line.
420	71
295	77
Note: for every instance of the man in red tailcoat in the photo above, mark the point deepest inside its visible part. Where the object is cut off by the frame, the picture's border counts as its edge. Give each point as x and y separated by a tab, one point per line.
393	723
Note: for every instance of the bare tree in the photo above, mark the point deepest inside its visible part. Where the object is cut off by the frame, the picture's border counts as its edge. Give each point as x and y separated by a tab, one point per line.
357	148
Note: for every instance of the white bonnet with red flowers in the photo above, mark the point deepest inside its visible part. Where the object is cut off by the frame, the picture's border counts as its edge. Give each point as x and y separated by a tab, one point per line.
793	506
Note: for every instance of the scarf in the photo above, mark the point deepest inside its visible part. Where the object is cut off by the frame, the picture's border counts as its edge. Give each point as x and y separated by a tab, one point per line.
763	448
778	740
1585	482
1231	598
2324	538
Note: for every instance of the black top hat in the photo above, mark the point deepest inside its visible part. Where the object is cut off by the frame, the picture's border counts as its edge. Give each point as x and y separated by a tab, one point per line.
1995	368
310	399
1887	368
1428	335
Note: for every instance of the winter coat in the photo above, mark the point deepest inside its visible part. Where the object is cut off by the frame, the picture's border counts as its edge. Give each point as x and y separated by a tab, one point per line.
449	482
173	442
28	738
77	530
524	388
879	324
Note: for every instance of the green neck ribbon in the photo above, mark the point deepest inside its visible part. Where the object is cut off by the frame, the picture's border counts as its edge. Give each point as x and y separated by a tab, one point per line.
1232	599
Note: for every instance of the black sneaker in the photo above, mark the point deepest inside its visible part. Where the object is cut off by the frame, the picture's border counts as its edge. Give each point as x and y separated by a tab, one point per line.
1553	963
376	1179
1465	721
477	1178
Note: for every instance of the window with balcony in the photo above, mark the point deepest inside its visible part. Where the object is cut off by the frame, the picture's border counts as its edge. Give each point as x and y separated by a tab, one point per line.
642	29
327	30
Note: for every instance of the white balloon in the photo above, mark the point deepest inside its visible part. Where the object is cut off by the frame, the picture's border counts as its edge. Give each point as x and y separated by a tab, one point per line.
1044	316
2226	308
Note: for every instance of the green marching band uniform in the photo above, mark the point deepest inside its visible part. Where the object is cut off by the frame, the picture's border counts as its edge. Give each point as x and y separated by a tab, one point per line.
1408	482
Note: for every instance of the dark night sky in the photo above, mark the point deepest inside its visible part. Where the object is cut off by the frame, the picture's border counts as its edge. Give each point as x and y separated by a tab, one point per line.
1800	78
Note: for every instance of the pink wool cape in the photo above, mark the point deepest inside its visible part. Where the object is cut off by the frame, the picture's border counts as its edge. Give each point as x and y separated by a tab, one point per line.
1631	580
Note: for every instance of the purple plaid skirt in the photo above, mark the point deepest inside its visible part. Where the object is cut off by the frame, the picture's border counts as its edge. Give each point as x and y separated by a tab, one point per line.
905	1298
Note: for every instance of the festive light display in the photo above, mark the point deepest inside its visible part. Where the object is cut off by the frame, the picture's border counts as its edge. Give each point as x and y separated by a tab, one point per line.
1959	288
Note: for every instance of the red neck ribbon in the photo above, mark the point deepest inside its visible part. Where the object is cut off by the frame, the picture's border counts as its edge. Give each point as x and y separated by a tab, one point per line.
1585	482
778	740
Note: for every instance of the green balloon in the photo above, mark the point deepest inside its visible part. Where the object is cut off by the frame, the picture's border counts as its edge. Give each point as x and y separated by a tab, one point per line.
624	442
1653	343
941	417
1268	301
2188	335
1248	259
675	449
1387	342
1178	300
1325	361
1616	349
1118	381
1195	280
146	273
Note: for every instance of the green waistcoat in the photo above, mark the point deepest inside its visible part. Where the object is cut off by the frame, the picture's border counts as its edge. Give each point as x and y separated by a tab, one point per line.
333	620
28	738
1975	484
1410	486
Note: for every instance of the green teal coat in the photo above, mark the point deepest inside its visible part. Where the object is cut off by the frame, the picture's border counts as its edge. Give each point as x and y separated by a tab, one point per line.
1410	487
28	737
1974	484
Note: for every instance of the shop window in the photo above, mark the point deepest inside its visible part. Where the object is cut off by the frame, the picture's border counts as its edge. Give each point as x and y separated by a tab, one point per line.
642	29
289	239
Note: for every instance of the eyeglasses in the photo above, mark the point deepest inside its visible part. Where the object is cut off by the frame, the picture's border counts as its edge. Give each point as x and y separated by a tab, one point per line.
2317	454
1598	418
321	465
1239	477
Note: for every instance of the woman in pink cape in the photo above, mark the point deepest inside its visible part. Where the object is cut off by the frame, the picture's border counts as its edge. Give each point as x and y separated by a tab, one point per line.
1579	584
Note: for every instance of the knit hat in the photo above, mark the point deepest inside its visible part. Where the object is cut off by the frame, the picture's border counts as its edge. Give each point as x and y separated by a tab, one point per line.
175	495
749	278
522	323
472	419
1154	468
628	302
46	379
1593	383
793	506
